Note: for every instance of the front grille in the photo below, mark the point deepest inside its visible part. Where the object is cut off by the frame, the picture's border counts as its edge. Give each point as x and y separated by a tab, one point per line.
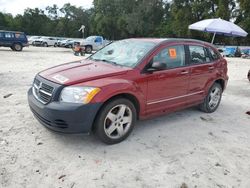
42	91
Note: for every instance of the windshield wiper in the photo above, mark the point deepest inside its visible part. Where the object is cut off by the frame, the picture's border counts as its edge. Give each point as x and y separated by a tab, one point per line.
105	60
108	61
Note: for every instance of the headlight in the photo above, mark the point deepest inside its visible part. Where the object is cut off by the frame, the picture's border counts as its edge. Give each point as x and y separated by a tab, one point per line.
74	94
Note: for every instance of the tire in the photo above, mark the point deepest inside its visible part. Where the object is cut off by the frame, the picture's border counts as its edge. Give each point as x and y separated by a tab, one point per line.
248	75
45	44
115	121
17	47
212	100
88	49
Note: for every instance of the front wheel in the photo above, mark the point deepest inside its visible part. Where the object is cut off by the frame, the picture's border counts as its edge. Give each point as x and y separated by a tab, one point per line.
212	100
115	121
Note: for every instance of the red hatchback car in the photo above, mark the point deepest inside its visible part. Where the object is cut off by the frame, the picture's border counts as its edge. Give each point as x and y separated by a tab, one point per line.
125	81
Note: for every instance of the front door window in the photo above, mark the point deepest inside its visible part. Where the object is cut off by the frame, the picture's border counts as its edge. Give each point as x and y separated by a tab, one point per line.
173	56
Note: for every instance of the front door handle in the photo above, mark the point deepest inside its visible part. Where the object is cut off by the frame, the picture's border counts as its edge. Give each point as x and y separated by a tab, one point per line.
211	68
161	76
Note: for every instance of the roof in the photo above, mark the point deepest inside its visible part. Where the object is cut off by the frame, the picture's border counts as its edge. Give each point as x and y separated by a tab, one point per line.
164	40
11	31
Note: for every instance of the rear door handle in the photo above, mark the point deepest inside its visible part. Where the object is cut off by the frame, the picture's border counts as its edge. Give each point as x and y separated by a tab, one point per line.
184	72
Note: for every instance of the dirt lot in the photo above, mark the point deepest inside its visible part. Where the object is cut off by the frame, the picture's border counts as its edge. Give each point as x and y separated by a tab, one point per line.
191	147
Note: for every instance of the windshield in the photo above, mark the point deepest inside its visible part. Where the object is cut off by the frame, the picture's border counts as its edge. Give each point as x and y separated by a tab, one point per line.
125	52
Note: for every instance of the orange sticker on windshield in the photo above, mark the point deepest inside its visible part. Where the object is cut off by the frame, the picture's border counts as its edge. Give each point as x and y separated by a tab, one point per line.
172	53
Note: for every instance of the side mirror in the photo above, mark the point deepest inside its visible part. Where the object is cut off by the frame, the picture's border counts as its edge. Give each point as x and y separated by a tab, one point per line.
158	66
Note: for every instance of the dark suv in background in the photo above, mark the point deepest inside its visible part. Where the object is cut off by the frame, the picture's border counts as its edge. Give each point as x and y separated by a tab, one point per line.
14	39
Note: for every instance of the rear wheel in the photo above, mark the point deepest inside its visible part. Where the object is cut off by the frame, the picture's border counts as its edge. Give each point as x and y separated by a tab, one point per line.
17	47
45	44
248	75
88	49
115	121
212	100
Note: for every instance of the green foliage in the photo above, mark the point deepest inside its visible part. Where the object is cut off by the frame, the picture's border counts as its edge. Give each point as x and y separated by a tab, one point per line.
117	19
243	18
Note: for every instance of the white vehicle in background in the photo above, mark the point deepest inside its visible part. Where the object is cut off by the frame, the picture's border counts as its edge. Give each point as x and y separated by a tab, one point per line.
222	51
94	43
32	39
45	41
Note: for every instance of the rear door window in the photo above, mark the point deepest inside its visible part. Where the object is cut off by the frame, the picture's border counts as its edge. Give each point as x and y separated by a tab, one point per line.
213	55
1	35
172	56
198	55
9	35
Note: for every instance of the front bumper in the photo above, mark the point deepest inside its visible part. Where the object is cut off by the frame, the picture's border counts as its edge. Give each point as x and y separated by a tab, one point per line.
64	117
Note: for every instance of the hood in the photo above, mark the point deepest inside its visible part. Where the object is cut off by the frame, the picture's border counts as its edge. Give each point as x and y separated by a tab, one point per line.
39	40
82	71
84	41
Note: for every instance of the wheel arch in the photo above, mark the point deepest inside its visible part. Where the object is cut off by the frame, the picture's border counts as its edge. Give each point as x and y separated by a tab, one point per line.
221	82
128	96
19	43
88	45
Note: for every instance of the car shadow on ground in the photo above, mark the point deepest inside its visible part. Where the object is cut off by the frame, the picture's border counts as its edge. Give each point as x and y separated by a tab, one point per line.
143	127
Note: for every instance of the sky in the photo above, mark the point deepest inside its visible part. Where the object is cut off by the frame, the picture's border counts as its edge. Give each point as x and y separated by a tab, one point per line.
18	6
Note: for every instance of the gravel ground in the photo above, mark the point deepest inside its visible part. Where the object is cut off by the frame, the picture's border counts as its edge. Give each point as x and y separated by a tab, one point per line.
183	149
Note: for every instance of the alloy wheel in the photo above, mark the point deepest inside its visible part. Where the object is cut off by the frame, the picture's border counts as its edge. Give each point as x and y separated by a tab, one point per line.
118	121
214	97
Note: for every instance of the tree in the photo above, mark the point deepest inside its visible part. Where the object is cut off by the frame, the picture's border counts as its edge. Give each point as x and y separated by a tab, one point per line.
2	20
118	19
242	15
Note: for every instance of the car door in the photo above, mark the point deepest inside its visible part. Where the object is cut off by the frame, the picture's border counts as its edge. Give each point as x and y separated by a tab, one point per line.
8	38
53	41
202	71
1	38
167	89
50	41
98	43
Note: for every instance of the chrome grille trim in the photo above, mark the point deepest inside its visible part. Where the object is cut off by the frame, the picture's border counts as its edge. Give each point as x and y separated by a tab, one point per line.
42	92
